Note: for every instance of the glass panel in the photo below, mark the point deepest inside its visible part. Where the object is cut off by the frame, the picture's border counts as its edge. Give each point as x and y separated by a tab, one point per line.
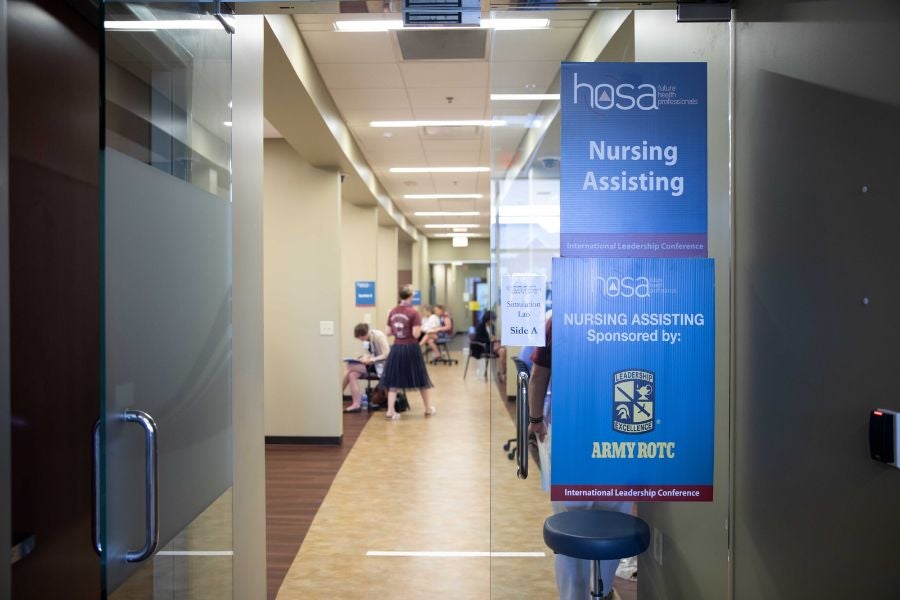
688	556
167	269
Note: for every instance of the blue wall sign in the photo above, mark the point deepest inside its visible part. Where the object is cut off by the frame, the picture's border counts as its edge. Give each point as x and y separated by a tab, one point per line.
365	293
633	374
417	298
633	164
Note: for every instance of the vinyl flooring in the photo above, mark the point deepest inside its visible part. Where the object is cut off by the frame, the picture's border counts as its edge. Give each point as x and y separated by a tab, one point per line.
415	508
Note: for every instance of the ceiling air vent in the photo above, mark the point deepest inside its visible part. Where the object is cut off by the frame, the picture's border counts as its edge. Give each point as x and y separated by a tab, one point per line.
447	44
441	13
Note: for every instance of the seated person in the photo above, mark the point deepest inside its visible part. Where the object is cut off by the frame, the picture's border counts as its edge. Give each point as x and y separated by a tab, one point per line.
375	352
430	322
442	334
487	343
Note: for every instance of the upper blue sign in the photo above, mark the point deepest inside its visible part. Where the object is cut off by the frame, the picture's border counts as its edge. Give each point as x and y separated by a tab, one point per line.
417	298
365	293
633	166
633	372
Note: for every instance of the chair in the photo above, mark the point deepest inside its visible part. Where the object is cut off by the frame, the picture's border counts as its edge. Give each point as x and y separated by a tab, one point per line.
370	376
444	358
482	349
596	535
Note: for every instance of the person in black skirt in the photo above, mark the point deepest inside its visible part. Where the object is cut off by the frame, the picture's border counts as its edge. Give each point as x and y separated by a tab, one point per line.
405	367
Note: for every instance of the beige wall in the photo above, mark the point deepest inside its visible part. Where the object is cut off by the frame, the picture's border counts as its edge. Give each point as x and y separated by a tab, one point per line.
386	281
302	220
404	255
441	249
695	538
424	269
248	351
359	240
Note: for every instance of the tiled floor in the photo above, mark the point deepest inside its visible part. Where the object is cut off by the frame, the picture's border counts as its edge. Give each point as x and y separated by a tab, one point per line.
440	484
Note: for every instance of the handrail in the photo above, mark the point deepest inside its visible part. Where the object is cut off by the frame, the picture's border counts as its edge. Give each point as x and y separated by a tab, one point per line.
522	419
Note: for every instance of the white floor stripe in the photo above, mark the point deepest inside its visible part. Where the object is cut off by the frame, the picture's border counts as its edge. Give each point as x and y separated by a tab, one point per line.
439	554
195	553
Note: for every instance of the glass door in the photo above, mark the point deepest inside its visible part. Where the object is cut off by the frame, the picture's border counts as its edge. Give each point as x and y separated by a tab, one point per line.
165	438
689	551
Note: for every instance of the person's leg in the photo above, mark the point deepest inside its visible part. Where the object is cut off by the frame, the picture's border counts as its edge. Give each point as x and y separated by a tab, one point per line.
354	372
432	343
501	362
573	575
429	410
391	398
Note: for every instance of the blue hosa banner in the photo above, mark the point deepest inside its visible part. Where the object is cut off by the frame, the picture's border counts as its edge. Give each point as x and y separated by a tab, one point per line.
633	163
633	368
365	293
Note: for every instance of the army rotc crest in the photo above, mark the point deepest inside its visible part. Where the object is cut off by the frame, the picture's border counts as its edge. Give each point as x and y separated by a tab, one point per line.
633	401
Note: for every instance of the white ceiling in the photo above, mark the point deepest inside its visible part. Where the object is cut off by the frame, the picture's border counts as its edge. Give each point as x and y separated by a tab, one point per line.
369	81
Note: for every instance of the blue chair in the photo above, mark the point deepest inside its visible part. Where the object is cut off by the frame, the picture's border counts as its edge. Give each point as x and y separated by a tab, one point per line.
596	535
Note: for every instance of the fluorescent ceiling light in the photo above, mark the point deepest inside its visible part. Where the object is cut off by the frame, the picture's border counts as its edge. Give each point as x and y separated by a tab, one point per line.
460	241
448	213
441	196
513	24
227	123
460	229
440	169
449	225
380	25
444	123
450	235
517	97
157	25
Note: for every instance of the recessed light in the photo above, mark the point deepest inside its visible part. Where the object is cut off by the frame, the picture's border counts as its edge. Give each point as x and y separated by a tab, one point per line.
447	213
450	235
443	123
523	97
449	225
460	229
440	169
441	196
227	123
381	25
158	25
387	134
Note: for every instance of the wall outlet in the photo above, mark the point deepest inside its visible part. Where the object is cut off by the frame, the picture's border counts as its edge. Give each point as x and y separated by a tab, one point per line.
657	546
326	327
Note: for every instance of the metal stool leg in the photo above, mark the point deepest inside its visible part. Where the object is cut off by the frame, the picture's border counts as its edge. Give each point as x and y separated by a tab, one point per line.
596	581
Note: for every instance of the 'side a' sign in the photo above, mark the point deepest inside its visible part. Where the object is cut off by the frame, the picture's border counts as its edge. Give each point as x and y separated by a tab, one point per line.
633	374
522	302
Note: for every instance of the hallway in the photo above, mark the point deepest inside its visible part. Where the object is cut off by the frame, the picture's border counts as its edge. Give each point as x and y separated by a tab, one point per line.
441	485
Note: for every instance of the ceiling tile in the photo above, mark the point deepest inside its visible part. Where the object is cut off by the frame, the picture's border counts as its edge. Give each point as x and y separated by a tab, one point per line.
441	75
523	77
437	97
451	113
455	183
343	47
357	117
452	152
354	75
534	45
377	99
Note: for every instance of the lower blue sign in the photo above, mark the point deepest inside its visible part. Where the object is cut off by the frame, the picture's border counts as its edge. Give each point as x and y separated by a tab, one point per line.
417	298
365	293
633	379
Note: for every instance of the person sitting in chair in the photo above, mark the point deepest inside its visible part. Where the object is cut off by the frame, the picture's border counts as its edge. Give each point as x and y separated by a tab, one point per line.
375	352
486	343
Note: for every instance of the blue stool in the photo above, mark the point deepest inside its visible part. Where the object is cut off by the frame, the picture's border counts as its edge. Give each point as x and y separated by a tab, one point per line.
596	535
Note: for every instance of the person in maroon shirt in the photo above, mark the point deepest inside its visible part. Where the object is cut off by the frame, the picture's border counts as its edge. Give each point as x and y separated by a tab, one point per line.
405	367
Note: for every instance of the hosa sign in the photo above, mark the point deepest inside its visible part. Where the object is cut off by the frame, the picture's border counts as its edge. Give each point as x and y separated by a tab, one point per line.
633	173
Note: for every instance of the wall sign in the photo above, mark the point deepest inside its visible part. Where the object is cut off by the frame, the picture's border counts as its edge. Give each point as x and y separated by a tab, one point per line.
365	293
633	370
522	310
633	164
417	298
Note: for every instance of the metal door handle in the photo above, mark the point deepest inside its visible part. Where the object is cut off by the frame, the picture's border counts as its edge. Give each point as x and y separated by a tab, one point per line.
151	519
522	421
95	448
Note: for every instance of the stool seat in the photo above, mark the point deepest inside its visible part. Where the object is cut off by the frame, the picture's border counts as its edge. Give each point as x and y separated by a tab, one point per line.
596	534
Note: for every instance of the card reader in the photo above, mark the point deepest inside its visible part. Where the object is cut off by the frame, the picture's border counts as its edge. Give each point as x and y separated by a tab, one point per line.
884	445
